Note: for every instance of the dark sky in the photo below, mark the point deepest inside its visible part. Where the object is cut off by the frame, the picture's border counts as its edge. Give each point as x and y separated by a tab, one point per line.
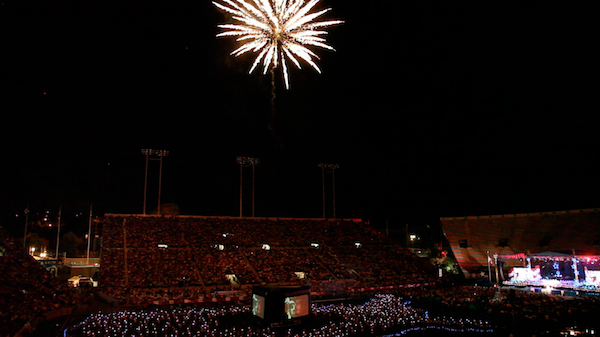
430	109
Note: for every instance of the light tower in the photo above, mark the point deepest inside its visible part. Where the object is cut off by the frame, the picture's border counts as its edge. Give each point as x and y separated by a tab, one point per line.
58	232
331	167
247	161
160	154
26	221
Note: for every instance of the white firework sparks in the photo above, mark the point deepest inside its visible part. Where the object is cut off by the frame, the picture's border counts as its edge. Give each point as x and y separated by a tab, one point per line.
277	30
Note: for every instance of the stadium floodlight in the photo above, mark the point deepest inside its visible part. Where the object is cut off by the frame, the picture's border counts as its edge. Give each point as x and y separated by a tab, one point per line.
247	161
58	231
331	167
26	221
146	152
160	154
89	238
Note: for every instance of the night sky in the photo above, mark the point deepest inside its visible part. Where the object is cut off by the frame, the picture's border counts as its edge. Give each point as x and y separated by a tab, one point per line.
430	109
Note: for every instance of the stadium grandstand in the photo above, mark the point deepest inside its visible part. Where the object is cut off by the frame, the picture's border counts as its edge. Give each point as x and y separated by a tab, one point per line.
149	259
28	292
476	240
173	274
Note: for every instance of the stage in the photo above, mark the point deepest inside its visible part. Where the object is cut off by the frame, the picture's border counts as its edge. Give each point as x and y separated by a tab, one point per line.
556	287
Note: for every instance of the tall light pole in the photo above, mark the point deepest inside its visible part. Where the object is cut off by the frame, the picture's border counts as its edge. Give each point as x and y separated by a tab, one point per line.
58	231
496	267
254	162
322	166
87	260
489	268
331	167
160	154
26	222
247	161
146	152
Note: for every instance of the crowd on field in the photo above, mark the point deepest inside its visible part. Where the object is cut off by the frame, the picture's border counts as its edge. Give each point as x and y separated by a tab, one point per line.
525	309
381	314
458	308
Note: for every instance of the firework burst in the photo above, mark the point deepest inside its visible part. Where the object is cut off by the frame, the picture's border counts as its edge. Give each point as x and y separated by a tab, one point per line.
278	30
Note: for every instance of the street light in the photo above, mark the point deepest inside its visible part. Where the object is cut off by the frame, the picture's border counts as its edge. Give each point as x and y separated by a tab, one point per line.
247	161
160	154
331	167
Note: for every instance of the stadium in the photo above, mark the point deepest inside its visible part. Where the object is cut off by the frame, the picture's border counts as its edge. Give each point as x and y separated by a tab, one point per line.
430	170
228	276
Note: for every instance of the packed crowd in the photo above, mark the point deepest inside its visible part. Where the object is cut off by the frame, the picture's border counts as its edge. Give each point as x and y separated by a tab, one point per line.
206	231
27	290
397	265
512	307
162	252
190	266
281	265
381	314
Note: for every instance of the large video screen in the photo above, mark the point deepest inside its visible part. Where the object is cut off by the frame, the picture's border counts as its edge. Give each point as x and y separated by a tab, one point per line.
258	306
593	276
296	306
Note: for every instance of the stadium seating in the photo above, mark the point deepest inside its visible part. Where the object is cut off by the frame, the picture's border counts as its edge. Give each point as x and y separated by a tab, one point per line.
142	253
27	290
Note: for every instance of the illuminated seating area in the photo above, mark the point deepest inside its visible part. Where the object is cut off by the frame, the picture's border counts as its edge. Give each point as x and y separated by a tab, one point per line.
27	290
232	253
